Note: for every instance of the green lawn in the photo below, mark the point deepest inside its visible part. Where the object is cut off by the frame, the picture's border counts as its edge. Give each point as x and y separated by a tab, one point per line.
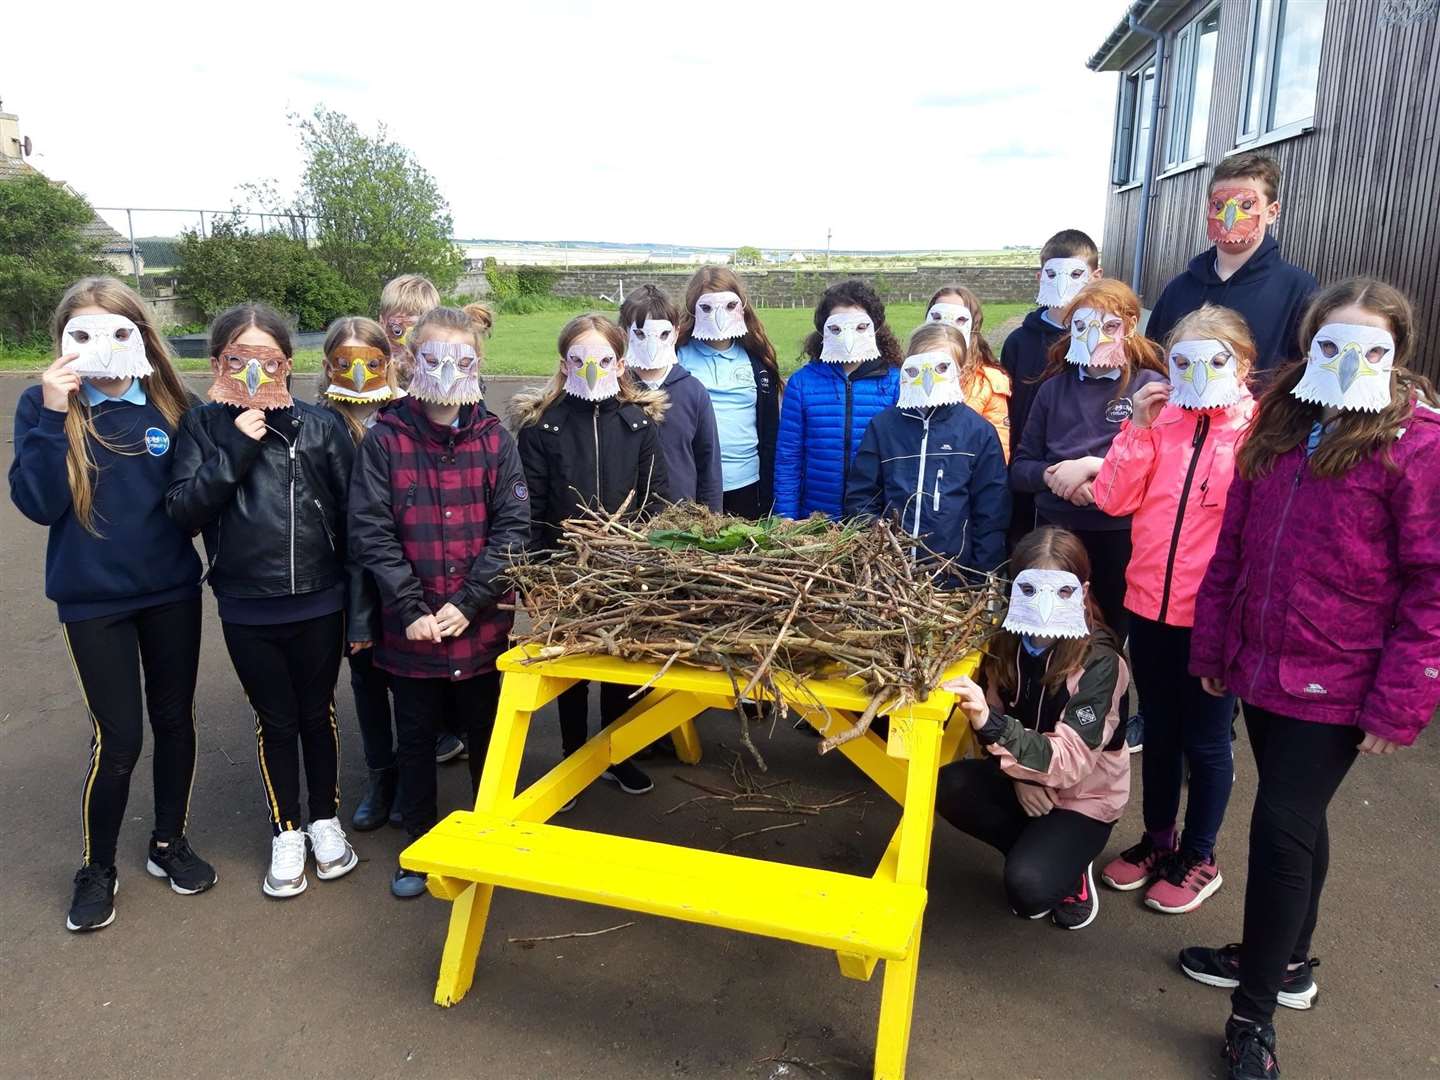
525	344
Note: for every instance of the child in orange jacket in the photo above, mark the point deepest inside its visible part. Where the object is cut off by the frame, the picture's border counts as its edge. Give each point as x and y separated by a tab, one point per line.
987	386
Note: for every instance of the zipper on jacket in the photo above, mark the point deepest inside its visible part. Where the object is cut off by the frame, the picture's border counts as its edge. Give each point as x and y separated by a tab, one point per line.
939	475
1202	429
410	496
290	445
1274	557
849	415
595	424
325	523
920	477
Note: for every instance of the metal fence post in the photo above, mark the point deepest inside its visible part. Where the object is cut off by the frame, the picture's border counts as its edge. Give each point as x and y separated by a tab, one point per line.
134	257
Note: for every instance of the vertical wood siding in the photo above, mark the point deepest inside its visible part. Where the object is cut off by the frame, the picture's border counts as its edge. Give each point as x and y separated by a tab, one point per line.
1360	193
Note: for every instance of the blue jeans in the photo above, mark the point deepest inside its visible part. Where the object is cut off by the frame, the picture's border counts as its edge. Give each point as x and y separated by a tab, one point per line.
1183	724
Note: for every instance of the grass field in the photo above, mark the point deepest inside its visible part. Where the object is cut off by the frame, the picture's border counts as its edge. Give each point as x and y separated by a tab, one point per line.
525	344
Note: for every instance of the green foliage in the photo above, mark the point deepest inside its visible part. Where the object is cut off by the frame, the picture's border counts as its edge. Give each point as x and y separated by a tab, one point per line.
748	256
159	250
377	212
42	251
520	290
233	265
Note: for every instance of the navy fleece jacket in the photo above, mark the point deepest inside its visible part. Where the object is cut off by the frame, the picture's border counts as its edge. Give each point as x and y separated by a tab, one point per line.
690	442
1024	356
1268	291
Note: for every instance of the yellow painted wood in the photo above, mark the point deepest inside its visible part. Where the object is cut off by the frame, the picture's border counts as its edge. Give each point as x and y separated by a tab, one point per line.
573	774
917	820
687	743
813	907
854	965
651	719
867	752
520	694
897	1009
445	888
468	915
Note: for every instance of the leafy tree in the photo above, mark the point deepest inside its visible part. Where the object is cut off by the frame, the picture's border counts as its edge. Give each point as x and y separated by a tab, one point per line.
377	212
42	250
233	265
748	256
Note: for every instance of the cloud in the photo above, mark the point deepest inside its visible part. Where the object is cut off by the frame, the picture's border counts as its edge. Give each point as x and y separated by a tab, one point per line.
976	98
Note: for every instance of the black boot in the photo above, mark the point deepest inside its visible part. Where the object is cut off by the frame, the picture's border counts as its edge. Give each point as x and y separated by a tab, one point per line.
374	808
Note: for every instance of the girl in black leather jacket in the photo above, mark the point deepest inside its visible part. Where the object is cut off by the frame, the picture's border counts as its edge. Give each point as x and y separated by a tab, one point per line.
265	477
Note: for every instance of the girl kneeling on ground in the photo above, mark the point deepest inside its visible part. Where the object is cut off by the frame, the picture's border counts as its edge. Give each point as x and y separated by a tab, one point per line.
1057	774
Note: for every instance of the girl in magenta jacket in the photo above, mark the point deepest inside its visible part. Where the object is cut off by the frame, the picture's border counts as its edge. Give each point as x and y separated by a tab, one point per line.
1321	611
1170	466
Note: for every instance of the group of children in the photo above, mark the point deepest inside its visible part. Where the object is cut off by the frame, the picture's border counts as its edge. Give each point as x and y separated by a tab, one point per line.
1151	515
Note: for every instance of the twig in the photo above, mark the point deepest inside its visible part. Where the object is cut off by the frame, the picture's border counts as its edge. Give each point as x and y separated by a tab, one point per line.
531	942
757	832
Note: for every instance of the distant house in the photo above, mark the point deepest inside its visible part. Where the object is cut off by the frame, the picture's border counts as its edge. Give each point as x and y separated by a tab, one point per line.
115	249
1344	94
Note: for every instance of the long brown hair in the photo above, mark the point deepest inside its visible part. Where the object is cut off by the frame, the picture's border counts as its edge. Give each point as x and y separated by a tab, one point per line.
163	387
528	406
367	332
1284	422
1115	298
978	344
1057	549
722	279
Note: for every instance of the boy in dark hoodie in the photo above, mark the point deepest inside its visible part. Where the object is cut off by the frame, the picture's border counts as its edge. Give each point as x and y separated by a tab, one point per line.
1068	262
688	435
1243	269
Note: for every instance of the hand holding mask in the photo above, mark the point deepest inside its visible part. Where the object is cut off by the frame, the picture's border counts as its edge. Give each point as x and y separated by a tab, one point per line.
109	347
848	338
251	376
446	373
1048	604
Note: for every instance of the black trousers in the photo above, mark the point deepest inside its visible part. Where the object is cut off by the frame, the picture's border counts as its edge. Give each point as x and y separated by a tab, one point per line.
109	654
288	671
424	708
371	687
743	502
1044	856
574	709
1301	766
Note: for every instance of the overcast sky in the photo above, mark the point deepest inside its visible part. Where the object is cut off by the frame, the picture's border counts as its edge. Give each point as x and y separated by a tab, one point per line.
900	125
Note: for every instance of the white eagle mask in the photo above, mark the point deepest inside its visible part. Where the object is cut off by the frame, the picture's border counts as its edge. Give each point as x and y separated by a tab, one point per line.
1047	603
956	315
110	347
1060	280
1204	374
928	379
848	338
1348	368
650	346
719	316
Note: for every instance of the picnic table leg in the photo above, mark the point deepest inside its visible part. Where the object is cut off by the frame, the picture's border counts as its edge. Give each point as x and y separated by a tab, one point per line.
897	1000
687	743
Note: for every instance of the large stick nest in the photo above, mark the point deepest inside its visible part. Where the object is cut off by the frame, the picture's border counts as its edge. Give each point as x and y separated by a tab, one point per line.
756	600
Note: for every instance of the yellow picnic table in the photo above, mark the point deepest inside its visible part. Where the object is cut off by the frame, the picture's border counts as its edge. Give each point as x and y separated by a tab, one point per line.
505	842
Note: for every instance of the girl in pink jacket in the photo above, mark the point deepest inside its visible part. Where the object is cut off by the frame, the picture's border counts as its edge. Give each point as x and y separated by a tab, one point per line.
1057	773
1170	466
1321	611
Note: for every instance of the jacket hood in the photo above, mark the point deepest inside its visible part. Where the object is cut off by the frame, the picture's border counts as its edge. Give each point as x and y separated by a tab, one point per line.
1202	267
528	406
1036	323
677	373
408	416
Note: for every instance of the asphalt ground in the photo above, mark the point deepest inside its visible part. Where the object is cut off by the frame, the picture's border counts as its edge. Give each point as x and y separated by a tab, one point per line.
338	981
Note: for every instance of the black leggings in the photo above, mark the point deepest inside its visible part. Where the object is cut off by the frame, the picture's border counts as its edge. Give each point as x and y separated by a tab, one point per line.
288	671
1044	856
574	708
1301	766
109	653
423	709
743	502
371	687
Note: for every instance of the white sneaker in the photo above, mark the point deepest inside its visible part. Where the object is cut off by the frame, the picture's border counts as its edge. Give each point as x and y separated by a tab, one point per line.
334	857
286	876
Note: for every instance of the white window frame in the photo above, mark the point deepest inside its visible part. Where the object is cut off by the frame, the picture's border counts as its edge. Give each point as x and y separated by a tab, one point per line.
1126	171
1182	87
1264	133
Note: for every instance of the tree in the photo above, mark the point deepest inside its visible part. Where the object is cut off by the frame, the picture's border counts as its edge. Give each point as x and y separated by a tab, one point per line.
748	256
377	212
42	251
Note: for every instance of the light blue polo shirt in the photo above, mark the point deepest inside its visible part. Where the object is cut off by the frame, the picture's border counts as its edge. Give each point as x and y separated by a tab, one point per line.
729	378
135	395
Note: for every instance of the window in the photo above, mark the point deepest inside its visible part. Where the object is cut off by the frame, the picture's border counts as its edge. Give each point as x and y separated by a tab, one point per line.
1282	67
1132	125
1190	89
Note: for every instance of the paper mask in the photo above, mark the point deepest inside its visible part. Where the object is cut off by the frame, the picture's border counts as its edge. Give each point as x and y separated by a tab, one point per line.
848	338
592	372
251	376
956	315
928	379
110	347
1348	368
1203	375
446	373
1060	280
358	373
719	316
1097	339
651	345
1047	603
1234	216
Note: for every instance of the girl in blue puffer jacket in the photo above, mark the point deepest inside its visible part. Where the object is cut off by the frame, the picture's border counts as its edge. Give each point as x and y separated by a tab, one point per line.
852	374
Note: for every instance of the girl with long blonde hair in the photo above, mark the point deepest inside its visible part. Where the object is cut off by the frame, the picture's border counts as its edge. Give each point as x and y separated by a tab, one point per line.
92	462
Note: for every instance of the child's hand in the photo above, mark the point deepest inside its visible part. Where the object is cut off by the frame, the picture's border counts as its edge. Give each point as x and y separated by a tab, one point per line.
1064	477
356	646
1147	402
1035	800
450	620
424	628
971	700
1213	687
251	423
1373	744
59	382
1084	495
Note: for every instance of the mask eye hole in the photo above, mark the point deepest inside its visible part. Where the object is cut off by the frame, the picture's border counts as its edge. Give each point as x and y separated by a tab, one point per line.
1065	592
1026	589
122	333
1376	354
374	366
1219	360
1077	274
1328	349
234	362
82	336
1181	362
707	308
1050	273
1112	327
606	361
833	328
271	366
942	367
639	334
912	372
732	305
961	320
863	327
935	317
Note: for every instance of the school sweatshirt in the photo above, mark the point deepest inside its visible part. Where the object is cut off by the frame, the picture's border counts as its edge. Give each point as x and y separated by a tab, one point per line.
1073	418
690	441
141	558
1268	291
1023	357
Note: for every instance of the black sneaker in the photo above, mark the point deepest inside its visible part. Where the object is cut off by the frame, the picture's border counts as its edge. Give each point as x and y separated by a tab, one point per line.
631	778
1078	910
1250	1050
188	873
1221	967
93	905
447	748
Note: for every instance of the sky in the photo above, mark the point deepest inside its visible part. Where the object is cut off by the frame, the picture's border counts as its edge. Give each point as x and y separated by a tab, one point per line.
963	125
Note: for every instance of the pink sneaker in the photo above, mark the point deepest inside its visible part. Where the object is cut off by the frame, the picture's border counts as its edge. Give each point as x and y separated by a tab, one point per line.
1184	882
1133	867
